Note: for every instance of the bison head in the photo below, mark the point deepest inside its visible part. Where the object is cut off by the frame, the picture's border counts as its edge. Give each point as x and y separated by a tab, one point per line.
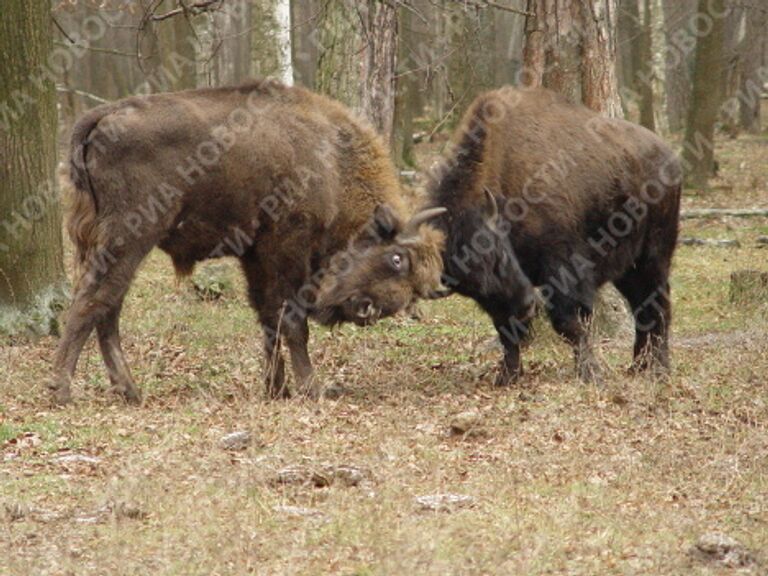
480	262
388	265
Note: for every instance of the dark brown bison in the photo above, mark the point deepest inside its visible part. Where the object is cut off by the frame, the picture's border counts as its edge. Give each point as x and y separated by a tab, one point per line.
543	193
285	180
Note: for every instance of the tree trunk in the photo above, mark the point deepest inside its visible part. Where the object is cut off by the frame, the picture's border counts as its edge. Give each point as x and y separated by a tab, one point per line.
406	94
472	55
751	80
31	271
698	146
658	49
227	25
681	44
509	41
733	26
205	32
377	96
338	70
571	48
628	32
305	41
645	71
177	46
283	38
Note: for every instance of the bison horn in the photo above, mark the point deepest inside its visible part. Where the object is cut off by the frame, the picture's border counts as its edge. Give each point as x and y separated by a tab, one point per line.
411	229
492	207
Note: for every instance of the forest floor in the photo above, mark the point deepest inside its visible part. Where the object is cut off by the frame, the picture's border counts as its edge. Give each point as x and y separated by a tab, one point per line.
563	477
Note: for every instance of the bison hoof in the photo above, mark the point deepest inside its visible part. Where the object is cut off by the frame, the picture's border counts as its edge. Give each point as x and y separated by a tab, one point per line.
278	393
657	369
130	395
506	378
61	396
313	393
61	393
334	392
590	373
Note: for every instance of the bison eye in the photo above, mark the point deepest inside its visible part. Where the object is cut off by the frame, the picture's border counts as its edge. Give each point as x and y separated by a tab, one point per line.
397	261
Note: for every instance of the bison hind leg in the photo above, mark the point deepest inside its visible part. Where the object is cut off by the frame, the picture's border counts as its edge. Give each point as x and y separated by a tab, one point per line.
646	288
108	333
96	304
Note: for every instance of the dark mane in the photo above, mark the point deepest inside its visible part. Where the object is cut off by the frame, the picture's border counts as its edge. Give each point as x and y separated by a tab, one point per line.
456	175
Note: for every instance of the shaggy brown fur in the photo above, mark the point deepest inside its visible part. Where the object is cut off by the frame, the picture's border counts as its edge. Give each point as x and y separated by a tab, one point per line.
281	178
581	200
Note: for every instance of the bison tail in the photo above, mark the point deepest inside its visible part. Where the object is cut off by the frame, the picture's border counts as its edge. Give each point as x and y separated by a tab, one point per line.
85	230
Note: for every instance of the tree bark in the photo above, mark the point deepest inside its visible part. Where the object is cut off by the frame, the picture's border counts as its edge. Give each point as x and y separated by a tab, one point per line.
377	96
305	16
645	72
628	32
227	26
681	44
283	38
31	269
509	42
177	48
571	48
338	69
733	26
750	87
406	94
698	146
472	60
206	73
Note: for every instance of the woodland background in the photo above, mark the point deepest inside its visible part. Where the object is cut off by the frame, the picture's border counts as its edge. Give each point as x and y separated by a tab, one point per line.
638	476
692	68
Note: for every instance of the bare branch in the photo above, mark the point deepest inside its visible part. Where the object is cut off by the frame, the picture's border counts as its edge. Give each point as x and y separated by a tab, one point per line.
195	9
94	49
61	29
88	95
496	5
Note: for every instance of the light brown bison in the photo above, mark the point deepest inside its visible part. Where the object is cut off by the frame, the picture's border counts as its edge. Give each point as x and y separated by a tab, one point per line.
285	180
543	193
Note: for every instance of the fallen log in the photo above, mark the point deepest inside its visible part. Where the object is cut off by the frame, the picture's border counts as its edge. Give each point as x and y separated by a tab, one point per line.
718	212
719	243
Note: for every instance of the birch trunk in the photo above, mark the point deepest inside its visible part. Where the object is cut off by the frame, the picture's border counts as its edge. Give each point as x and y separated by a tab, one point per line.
283	41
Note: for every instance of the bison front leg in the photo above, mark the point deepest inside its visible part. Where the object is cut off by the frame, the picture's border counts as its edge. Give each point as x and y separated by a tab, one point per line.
510	367
572	320
296	334
274	374
511	333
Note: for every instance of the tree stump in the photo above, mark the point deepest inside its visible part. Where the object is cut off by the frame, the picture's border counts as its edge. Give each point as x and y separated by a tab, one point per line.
612	317
748	287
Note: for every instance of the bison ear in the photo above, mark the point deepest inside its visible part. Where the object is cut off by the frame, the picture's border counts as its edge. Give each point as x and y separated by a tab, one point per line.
385	224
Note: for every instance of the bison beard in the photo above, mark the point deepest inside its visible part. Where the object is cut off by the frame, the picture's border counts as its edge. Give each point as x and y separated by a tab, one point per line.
544	193
278	177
